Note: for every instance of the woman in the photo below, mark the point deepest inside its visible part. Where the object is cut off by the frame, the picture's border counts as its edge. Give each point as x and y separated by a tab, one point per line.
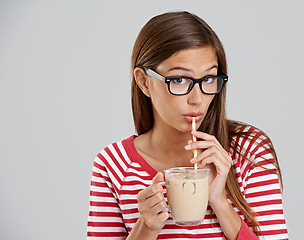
175	59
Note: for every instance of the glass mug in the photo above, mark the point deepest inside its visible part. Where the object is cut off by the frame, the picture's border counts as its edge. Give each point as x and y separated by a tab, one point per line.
187	194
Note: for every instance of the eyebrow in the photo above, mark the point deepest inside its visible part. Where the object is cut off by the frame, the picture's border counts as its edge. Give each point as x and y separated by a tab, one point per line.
179	68
188	70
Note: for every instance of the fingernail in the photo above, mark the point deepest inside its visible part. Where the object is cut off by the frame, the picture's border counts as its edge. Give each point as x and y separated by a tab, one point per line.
187	147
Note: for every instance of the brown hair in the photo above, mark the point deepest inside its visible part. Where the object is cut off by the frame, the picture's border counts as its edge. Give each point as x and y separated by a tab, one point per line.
161	37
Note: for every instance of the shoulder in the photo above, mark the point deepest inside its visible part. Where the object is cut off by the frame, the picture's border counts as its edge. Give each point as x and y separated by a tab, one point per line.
115	153
253	155
112	161
251	144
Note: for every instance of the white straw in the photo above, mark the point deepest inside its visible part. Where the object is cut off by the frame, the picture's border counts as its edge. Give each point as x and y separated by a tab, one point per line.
194	140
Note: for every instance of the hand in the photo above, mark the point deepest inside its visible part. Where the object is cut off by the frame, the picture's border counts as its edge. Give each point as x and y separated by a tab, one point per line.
151	204
211	154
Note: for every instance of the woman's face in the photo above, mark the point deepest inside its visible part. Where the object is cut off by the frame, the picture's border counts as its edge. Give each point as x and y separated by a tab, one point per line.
177	111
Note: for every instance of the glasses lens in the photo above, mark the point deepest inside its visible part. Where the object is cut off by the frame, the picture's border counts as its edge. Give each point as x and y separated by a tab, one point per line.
183	85
212	85
180	85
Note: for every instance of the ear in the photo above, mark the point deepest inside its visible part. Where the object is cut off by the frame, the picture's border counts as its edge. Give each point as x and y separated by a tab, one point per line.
141	79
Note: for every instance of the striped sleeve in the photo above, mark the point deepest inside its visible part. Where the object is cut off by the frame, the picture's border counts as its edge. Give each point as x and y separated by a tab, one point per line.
105	218
262	191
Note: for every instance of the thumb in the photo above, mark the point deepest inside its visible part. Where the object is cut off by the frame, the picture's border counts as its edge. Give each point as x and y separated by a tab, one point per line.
159	177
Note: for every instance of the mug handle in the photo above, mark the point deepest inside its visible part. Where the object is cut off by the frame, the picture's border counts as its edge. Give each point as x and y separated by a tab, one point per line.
167	209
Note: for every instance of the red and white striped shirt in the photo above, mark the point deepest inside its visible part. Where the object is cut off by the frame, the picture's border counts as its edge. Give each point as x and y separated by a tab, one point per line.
119	173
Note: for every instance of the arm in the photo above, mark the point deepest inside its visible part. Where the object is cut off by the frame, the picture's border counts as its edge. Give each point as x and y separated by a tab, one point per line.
263	193
228	219
245	233
260	185
262	190
214	156
105	219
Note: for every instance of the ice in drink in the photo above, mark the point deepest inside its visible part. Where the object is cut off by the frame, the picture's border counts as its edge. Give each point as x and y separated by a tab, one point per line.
187	194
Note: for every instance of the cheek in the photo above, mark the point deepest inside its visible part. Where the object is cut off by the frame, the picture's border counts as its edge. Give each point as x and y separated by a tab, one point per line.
159	93
162	102
209	99
165	104
208	102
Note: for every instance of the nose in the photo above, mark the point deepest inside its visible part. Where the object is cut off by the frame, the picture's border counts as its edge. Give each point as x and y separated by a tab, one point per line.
195	97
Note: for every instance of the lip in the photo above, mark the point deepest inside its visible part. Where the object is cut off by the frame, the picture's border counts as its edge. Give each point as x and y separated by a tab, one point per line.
197	115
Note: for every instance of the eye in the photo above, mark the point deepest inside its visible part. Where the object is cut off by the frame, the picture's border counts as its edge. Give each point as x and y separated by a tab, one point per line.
209	80
180	81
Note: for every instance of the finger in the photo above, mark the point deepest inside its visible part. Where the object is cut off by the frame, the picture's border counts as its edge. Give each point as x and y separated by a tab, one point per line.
159	177
159	207
148	192
207	144
199	144
194	148
152	189
156	221
222	166
206	137
163	216
203	135
150	203
213	151
156	199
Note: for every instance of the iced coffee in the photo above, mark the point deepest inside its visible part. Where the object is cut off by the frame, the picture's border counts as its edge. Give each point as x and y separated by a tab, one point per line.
187	194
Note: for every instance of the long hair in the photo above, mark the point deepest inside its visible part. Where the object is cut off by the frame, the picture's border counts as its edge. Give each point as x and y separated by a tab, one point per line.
160	38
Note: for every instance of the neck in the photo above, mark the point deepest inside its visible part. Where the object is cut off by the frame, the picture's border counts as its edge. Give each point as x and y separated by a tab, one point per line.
169	145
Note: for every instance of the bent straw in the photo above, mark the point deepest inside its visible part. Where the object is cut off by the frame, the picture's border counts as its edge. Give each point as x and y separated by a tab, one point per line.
194	140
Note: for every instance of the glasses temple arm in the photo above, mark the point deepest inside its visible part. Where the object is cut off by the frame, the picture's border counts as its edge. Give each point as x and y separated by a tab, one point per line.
153	74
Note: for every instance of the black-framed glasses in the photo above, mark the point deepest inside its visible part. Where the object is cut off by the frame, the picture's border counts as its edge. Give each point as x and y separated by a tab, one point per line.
183	85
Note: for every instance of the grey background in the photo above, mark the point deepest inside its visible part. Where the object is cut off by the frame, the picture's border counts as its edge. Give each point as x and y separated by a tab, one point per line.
65	94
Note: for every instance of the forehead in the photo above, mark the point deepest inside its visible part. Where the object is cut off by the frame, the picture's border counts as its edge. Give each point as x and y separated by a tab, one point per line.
194	59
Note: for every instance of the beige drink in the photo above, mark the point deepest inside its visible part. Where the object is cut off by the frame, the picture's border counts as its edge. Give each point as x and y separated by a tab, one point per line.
187	194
